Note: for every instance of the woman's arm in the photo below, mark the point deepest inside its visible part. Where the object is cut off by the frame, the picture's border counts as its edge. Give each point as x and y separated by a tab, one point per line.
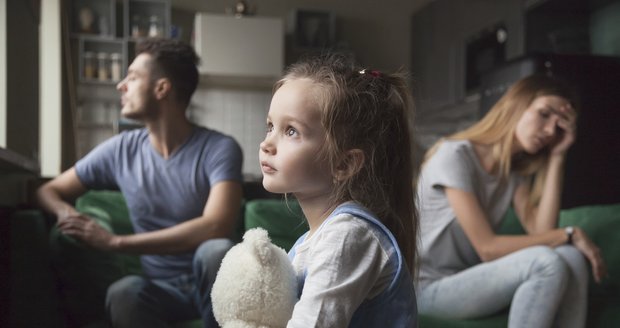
487	244
544	217
490	246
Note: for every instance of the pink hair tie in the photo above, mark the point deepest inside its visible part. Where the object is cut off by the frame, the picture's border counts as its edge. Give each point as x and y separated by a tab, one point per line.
374	73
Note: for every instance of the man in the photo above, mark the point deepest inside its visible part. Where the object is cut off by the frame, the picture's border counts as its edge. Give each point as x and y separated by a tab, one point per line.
182	185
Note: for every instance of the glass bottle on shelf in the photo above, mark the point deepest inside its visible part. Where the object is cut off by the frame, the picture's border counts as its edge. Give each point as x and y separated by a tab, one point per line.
103	69
155	29
136	27
115	66
89	65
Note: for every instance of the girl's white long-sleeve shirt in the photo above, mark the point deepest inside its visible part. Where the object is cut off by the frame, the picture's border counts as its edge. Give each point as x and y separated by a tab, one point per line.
345	262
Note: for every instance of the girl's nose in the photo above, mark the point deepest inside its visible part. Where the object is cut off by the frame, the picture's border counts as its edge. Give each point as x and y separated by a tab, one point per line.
267	146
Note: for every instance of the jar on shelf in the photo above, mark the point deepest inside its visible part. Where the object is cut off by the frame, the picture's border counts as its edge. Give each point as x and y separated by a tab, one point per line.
136	27
155	28
115	66
103	66
89	65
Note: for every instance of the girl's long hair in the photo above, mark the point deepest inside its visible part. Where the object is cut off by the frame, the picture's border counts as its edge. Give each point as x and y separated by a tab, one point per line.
497	129
367	110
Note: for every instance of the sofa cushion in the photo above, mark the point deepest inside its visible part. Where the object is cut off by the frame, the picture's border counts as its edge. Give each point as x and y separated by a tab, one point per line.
283	220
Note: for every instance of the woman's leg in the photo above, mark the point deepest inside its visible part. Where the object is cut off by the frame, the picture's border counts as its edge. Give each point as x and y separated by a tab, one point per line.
532	280
574	305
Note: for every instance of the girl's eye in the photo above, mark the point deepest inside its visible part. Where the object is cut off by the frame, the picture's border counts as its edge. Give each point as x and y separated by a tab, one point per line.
290	132
269	127
545	113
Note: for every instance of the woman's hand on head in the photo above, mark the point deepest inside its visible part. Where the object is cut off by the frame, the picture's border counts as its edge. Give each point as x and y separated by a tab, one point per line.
583	243
567	125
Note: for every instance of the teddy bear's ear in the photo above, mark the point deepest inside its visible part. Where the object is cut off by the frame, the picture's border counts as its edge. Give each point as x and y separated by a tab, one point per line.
258	241
256	285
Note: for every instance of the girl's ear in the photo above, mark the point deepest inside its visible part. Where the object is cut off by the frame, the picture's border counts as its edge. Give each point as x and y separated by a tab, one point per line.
350	164
162	88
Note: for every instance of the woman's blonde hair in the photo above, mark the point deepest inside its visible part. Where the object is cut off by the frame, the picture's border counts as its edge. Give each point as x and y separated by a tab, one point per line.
366	110
497	129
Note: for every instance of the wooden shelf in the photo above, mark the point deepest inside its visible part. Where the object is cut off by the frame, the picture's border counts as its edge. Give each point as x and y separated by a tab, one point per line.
12	161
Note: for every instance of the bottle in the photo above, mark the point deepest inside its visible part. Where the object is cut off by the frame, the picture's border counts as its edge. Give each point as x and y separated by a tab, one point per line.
155	29
115	66
103	71
89	65
136	31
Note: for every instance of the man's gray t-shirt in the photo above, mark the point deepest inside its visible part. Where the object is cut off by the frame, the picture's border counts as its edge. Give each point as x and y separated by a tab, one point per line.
444	247
159	192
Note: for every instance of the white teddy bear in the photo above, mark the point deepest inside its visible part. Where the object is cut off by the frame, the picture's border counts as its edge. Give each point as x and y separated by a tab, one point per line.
255	286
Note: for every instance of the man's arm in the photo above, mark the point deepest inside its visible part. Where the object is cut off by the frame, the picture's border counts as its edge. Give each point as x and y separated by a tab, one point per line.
217	221
57	195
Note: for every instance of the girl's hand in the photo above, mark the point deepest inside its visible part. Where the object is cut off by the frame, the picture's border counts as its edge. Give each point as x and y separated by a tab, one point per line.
567	124
583	243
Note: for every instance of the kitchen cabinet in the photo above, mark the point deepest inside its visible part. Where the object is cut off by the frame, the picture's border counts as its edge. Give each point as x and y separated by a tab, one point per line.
239	50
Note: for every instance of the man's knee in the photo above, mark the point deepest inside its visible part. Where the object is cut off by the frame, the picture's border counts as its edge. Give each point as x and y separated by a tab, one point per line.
212	251
123	294
209	254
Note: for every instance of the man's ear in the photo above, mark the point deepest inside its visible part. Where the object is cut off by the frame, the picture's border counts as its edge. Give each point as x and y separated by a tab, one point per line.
162	88
350	164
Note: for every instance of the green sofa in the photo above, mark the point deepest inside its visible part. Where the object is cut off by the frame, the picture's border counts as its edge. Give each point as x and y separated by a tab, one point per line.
58	282
63	283
602	224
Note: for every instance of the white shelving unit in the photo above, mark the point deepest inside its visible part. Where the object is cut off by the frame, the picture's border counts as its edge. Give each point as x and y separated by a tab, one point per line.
103	37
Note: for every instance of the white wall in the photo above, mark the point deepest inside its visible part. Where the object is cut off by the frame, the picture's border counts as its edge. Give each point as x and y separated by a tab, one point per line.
3	26
50	139
238	112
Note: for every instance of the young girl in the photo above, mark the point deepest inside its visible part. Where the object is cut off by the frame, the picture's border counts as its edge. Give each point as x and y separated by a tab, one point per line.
338	140
515	154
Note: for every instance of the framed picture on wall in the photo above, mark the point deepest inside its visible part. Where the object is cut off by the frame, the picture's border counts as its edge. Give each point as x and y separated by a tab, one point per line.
312	28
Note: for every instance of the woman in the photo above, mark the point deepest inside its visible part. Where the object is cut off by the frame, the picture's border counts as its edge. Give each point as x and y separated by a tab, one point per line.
514	155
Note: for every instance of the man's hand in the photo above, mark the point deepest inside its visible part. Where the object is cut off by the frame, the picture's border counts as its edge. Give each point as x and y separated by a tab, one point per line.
88	231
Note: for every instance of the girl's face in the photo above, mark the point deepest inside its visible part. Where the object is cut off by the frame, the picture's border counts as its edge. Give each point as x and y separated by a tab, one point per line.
538	126
289	153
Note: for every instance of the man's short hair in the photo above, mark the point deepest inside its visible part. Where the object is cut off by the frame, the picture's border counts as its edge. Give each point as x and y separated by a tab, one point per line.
174	60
